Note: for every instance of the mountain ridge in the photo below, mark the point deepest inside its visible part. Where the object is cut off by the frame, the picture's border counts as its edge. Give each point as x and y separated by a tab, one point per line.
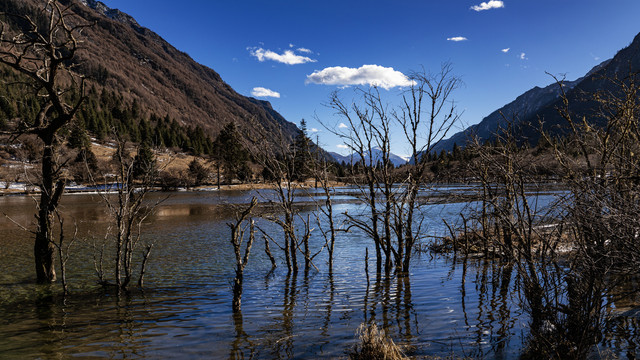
136	63
396	160
582	98
524	107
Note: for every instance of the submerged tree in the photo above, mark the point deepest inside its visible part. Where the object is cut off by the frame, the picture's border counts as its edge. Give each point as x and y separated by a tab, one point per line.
327	210
599	158
279	162
368	137
237	238
426	114
127	210
42	49
572	256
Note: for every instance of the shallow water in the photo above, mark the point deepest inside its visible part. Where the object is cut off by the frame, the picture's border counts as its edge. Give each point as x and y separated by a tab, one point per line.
443	307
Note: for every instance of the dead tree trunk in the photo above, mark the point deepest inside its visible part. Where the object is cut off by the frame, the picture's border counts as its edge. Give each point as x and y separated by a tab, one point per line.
51	190
427	114
63	252
41	53
327	210
368	131
240	265
267	250
237	237
134	179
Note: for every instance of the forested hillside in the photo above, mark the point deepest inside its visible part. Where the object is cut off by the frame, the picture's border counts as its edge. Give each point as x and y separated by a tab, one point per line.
133	74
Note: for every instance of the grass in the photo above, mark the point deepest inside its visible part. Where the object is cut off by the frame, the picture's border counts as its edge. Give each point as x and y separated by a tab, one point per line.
375	344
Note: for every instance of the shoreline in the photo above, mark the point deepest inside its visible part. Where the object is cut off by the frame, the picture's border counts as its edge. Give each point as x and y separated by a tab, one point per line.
21	189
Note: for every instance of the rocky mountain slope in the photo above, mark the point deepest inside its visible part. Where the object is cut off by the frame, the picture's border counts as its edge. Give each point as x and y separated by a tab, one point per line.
523	111
603	82
122	56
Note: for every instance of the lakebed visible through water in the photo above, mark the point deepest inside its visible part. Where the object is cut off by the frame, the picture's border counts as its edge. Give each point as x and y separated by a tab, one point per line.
443	307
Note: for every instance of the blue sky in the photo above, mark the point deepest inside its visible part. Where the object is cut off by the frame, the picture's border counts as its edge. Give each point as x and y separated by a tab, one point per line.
303	50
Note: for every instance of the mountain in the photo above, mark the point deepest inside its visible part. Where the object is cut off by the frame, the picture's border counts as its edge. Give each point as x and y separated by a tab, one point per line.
582	103
524	106
523	110
341	158
376	154
137	64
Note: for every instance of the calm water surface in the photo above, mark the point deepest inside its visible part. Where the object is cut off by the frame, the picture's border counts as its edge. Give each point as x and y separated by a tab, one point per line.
442	308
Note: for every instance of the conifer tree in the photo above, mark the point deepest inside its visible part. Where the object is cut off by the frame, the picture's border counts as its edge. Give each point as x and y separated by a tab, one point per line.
144	163
302	153
78	139
229	151
197	172
455	153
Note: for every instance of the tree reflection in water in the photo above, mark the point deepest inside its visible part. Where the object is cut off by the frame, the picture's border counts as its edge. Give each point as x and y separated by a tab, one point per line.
241	347
460	307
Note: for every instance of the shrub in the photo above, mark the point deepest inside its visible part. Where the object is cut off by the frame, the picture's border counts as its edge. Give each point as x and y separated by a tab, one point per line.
375	344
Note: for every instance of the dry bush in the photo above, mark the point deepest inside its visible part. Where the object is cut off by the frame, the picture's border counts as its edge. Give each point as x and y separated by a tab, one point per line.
375	344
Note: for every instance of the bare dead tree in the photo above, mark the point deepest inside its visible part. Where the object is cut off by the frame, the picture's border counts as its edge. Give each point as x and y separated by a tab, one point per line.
267	250
605	178
368	138
41	49
330	234
237	238
599	160
143	266
281	162
64	251
98	257
128	210
426	115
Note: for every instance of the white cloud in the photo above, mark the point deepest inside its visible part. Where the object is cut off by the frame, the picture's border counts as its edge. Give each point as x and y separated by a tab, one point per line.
314	130
342	146
523	56
457	38
373	75
342	126
491	4
291	45
264	92
505	50
288	57
305	50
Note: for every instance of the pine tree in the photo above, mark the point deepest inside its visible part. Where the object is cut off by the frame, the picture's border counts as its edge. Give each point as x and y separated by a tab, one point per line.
302	154
456	152
144	164
229	151
197	172
78	139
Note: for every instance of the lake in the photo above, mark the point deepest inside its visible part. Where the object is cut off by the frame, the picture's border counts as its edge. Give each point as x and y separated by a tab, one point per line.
442	308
